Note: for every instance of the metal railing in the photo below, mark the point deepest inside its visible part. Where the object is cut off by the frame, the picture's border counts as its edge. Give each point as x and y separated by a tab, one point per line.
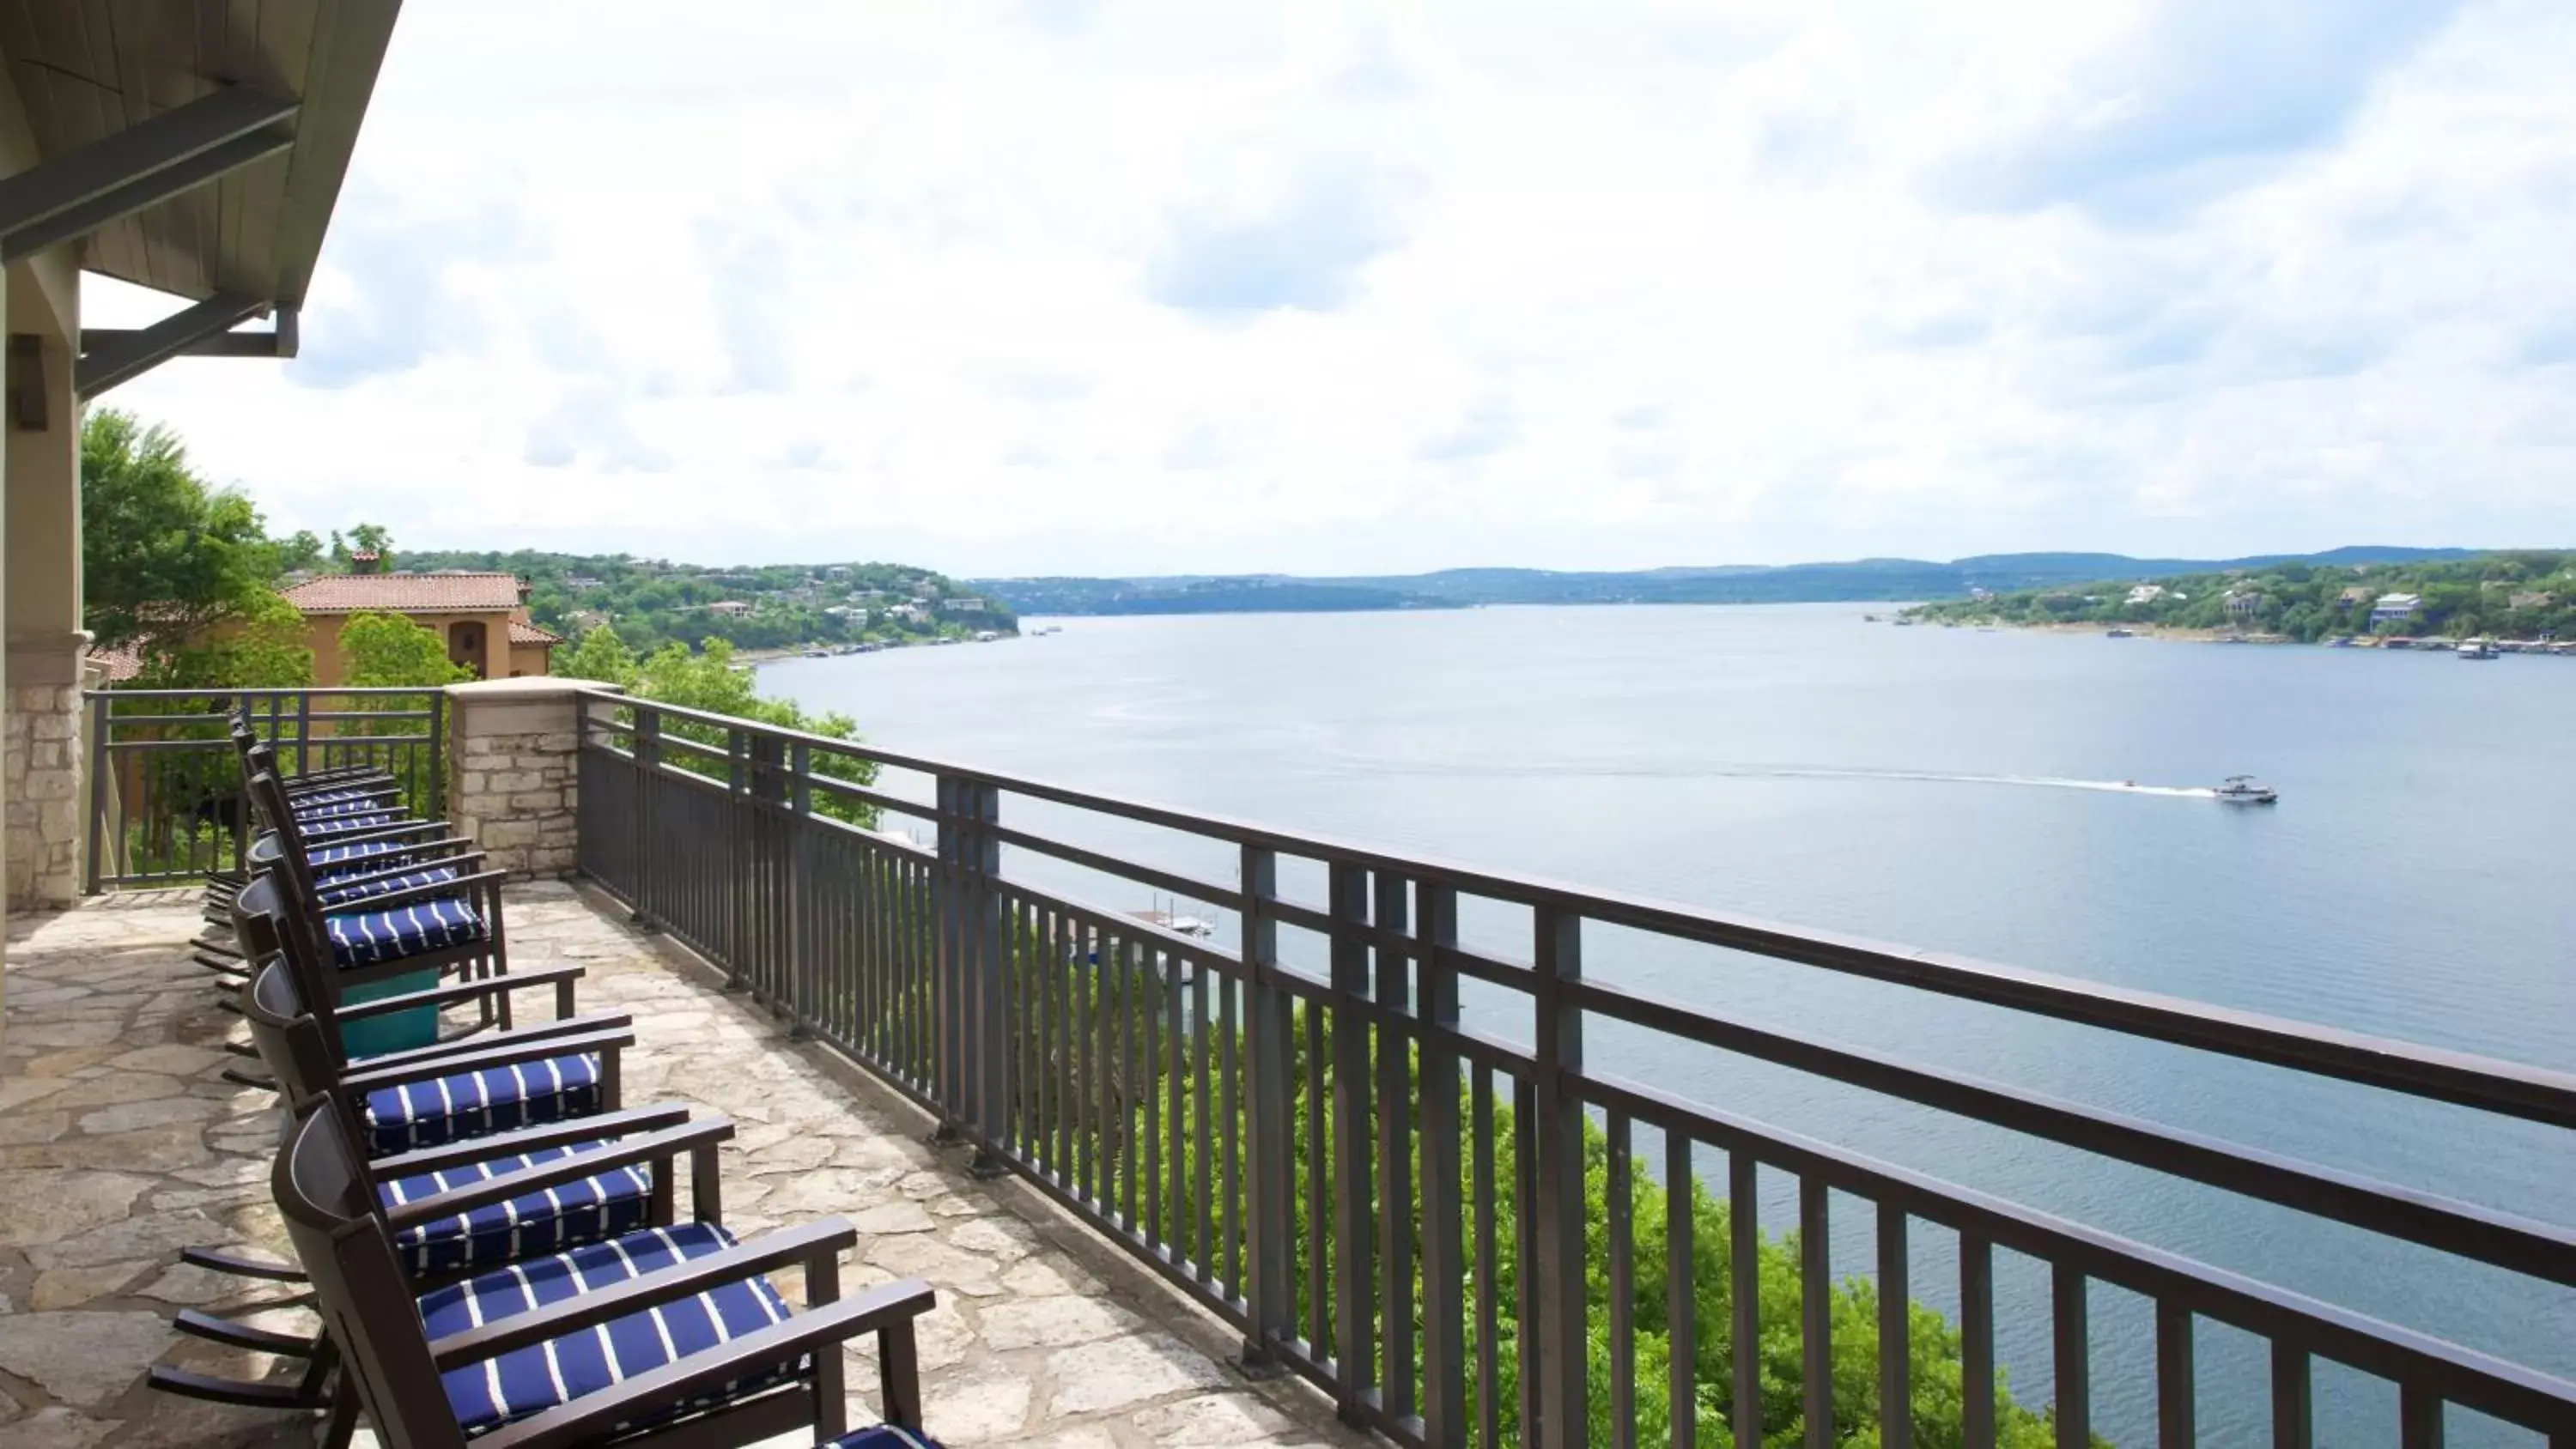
1377	1149
165	798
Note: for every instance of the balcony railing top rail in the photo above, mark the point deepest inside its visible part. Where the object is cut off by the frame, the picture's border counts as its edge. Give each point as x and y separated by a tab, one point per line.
1354	1168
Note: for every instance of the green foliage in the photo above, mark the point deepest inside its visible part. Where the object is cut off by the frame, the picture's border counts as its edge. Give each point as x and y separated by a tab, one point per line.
372	538
264	645
1116	1103
164	558
388	650
710	680
653	603
2517	594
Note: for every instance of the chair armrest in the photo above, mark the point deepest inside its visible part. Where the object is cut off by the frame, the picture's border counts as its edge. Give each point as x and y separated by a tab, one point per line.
588	1419
535	1049
446	1051
440	891
663	1146
828	1238
463	991
605	1127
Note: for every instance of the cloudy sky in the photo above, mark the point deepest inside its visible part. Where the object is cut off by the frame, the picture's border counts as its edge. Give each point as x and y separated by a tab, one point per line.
1163	287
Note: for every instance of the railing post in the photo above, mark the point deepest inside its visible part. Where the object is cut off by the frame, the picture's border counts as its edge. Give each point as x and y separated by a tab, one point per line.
648	759
1557	1144
101	786
437	804
982	903
804	996
1444	1210
766	951
1354	1191
738	853
1270	1182
1397	1108
949	1036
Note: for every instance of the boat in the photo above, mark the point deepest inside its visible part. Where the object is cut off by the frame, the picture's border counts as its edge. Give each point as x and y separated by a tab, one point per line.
2121	634
2340	641
2475	649
2241	790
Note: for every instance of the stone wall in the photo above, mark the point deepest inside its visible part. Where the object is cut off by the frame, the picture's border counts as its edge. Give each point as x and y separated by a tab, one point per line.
42	744
513	785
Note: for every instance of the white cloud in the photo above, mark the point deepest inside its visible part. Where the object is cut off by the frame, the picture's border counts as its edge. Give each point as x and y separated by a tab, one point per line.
1085	288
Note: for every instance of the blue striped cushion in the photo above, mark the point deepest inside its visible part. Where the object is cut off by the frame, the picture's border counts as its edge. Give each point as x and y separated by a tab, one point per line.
880	1436
362	938
346	824
478	1104
548	1220
341	893
330	809
531	1380
304	798
354	856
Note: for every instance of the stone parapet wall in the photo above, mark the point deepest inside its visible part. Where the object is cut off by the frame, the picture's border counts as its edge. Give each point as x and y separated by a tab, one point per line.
41	739
513	781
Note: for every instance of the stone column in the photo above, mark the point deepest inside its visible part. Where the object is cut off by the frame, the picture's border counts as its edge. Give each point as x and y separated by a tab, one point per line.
513	784
40	731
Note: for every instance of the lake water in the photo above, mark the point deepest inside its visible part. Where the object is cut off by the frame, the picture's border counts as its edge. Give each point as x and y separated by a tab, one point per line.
2026	798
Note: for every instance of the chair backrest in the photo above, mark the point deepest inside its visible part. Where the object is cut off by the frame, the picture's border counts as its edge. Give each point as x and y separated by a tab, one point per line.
268	922
358	1285
268	798
305	1059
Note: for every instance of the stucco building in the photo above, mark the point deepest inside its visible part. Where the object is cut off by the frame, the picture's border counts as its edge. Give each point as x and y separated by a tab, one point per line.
482	618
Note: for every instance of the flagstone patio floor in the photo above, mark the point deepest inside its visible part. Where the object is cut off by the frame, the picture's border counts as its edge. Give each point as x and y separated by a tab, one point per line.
120	1144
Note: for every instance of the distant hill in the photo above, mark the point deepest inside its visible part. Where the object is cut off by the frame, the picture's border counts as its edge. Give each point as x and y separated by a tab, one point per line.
1856	580
651	602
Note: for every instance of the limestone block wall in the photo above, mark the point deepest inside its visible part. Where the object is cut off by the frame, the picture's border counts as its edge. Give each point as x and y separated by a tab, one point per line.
513	785
41	741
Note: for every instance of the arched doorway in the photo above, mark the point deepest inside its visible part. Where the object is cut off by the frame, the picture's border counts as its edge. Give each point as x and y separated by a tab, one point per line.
465	647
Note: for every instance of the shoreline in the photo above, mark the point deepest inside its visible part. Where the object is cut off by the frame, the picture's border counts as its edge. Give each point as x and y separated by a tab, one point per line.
2167	633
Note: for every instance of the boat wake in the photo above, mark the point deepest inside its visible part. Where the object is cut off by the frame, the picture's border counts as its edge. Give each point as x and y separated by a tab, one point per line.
2046	782
1782	772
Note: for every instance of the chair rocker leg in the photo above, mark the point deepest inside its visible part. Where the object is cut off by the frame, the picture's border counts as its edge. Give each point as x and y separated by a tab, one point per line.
241	1393
217	1260
197	1324
257	1081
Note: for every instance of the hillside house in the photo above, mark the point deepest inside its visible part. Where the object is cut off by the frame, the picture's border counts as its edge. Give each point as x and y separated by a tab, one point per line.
2396	608
2243	603
2354	595
729	608
2145	594
482	618
2533	600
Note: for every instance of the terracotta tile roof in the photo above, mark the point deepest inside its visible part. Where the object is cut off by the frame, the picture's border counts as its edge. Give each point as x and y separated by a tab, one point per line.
407	593
118	663
523	632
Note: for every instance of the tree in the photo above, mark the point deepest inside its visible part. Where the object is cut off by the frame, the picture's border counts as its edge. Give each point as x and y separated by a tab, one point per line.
381	651
372	538
711	681
165	560
301	552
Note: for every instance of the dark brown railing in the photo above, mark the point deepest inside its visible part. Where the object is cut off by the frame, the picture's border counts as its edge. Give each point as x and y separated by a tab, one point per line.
165	799
1370	1146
